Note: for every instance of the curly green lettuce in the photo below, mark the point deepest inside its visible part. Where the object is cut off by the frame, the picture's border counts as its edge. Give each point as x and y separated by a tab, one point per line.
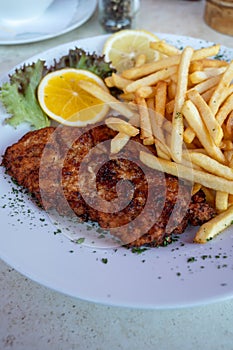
78	58
19	95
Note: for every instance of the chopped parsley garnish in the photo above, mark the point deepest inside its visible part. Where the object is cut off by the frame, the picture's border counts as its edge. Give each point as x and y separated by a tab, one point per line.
104	260
192	259
138	250
80	240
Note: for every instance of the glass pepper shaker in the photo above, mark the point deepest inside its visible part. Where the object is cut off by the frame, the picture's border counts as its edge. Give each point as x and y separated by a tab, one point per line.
115	15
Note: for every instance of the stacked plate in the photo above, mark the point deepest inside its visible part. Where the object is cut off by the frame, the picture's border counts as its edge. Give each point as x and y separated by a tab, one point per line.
59	18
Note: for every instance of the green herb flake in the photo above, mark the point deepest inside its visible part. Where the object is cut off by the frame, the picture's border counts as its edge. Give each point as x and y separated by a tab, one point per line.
56	232
192	259
104	260
204	257
138	250
178	115
80	240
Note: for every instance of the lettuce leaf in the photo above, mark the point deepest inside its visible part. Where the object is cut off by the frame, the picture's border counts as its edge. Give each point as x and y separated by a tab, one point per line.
19	97
78	58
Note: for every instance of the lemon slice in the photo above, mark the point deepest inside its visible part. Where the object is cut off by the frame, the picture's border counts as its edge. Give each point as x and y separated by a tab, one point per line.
61	98
123	47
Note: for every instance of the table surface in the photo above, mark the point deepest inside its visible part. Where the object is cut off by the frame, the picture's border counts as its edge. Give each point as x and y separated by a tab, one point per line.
35	317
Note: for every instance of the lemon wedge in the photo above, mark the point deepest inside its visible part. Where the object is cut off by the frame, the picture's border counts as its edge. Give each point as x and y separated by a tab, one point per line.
61	98
122	48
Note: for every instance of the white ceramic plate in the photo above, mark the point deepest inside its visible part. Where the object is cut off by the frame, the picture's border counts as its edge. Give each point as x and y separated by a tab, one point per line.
181	274
60	18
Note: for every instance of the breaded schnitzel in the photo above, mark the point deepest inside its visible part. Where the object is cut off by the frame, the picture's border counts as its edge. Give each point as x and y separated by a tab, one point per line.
71	169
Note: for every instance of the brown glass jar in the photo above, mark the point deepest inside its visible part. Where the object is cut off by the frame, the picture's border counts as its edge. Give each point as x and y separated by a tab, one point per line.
219	15
115	15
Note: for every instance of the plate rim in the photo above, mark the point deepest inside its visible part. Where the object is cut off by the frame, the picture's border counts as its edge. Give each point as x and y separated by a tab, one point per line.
104	299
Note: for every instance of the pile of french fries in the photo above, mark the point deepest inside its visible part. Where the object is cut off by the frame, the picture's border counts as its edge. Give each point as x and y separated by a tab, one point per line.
183	104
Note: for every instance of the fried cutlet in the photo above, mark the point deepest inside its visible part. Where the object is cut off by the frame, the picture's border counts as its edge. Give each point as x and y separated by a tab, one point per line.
72	170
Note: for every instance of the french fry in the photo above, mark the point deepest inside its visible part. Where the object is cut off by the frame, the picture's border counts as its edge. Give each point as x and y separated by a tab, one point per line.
226	145
210	62
221	201
170	107
106	97
189	135
148	141
135	120
199	76
216	225
194	120
196	65
171	90
160	98
231	163
158	117
196	188
225	110
162	150
150	104
121	126
206	89
177	119
109	81
129	96
229	157
157	125
151	79
229	125
200	65
187	163
156	121
207	94
161	153
118	142
225	81
230	199
209	195
210	164
193	149
119	81
145	124
173	78
151	67
201	54
226	93
207	84
165	48
167	126
140	60
145	91
207	115
193	175
134	107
